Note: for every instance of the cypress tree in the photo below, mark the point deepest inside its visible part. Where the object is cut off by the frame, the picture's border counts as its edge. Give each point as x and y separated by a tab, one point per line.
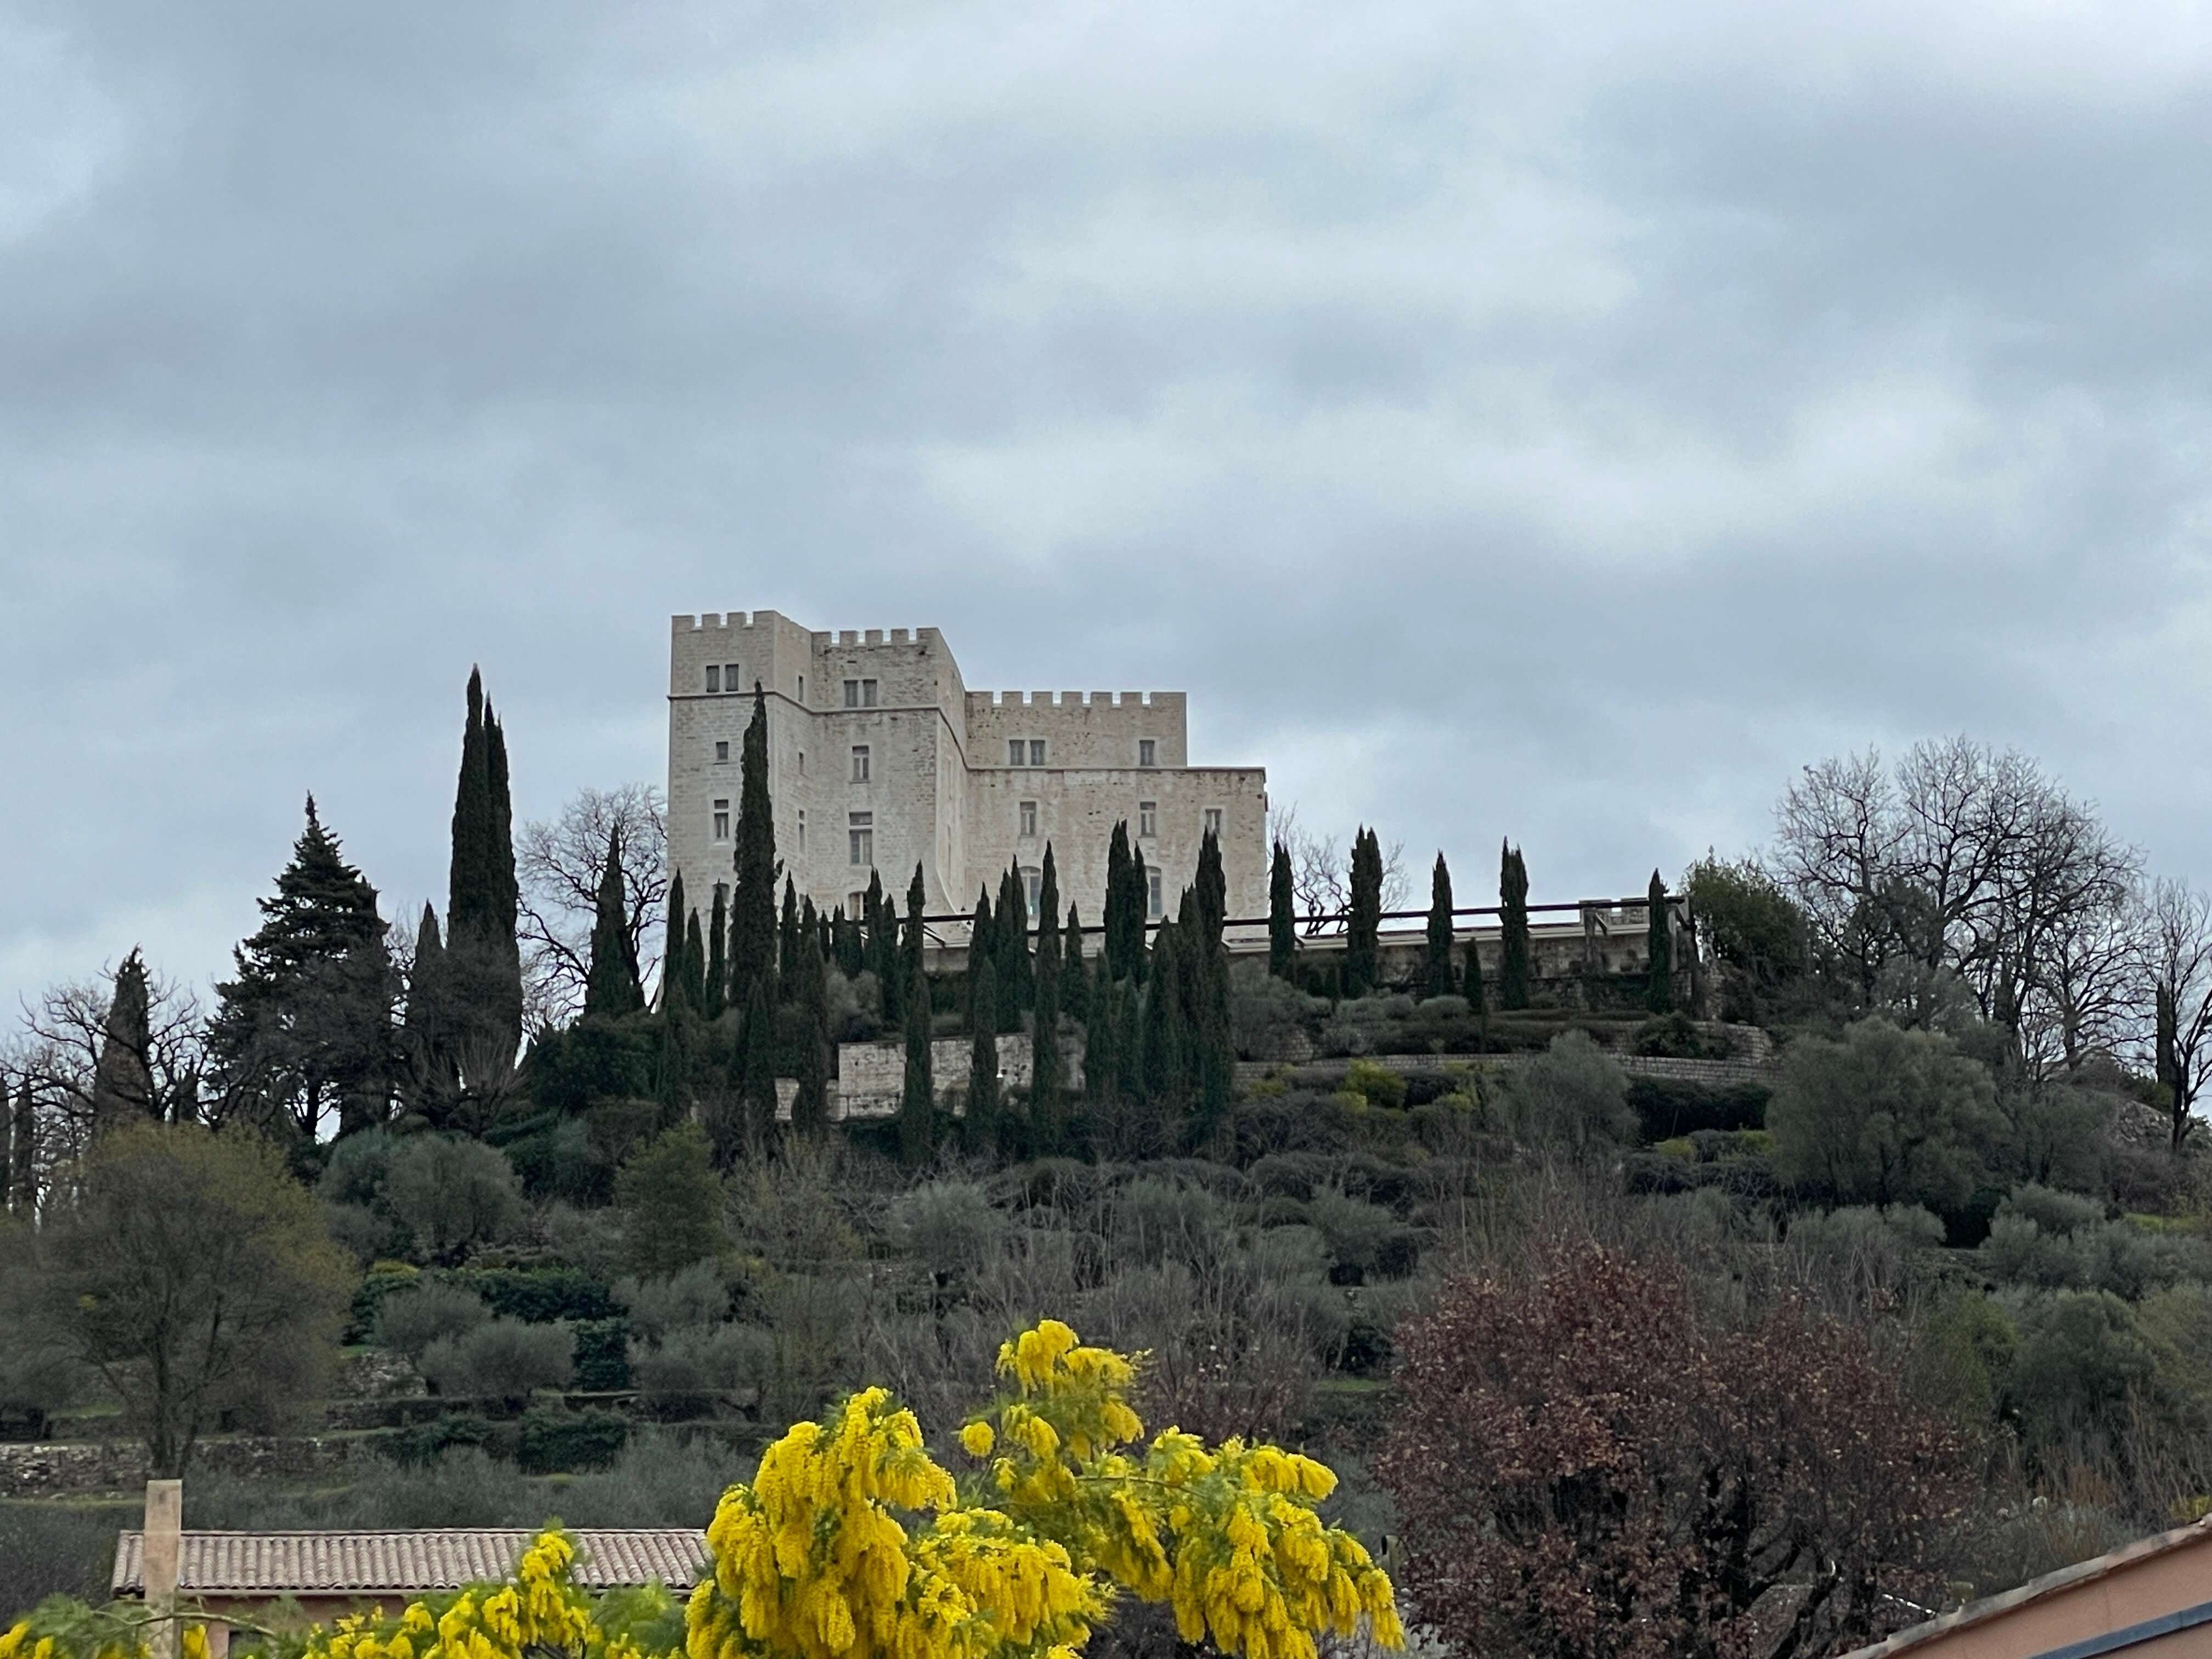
716	986
23	1153
846	933
1282	928
758	1087
695	966
611	988
1659	994
1130	1041
1440	930
983	945
917	1129
1211	889
809	1107
121	1081
1045	1081
1136	902
917	899
1213	1041
883	948
673	965
983	1124
787	941
483	979
1101	1040
1513	942
1074	977
1364	920
428	1034
1163	1077
752	901
1471	983
1120	950
1011	935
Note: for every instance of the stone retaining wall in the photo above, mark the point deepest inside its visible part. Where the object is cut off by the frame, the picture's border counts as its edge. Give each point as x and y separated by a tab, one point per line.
85	1468
1715	1071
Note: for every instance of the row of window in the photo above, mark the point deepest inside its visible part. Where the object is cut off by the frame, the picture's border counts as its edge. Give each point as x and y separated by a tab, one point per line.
723	677
856	903
1148	816
1029	752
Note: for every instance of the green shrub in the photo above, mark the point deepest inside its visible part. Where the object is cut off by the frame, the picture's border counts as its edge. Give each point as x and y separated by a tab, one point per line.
663	1478
2080	1360
452	1195
1377	1084
699	1295
602	1355
1572	1098
1667	1107
504	1359
409	1321
538	1296
52	1548
1962	1353
553	1441
687	1372
381	1279
1680	1146
1358	1232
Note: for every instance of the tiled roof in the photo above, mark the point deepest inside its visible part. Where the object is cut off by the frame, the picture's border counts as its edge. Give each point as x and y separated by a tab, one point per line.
384	1563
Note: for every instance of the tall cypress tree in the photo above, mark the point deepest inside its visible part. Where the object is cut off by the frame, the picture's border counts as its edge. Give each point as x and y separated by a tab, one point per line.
1471	983
1101	1040
1659	994
1011	934
1364	919
695	966
715	986
983	945
917	1127
674	965
883	961
1130	1041
1165	1073
1212	888
982	1122
757	1088
123	1078
809	1107
1282	927
1045	1080
911	944
484	961
786	942
1074	977
1440	930
1120	950
1137	903
752	901
611	988
845	939
1213	1044
1513	940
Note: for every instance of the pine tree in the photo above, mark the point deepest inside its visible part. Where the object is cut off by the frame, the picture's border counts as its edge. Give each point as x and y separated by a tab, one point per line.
1659	994
715	972
611	987
1440	930
484	961
787	941
809	1107
1282	927
1046	1083
757	1087
1011	936
305	1030
1365	919
122	1080
917	1128
752	901
982	1122
1513	942
1212	888
1074	976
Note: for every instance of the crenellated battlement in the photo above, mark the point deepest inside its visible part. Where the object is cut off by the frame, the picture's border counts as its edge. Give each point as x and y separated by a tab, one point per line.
1079	699
722	622
851	639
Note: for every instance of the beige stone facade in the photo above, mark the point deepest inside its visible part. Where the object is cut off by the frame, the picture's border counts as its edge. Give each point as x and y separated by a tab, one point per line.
880	757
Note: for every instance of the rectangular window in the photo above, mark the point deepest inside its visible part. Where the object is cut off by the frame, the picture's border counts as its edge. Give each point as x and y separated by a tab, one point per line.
802	690
1036	751
861	838
1148	817
722	820
730	682
1033	884
856	906
802	829
1148	752
860	762
1029	817
1151	892
852	694
721	751
713	677
802	763
868	693
1213	821
1017	751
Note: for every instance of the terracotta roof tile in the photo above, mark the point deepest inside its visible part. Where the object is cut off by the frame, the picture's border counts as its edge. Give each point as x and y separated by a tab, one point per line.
379	1563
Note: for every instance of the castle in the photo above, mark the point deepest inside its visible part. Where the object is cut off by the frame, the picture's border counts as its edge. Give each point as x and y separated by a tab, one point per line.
880	757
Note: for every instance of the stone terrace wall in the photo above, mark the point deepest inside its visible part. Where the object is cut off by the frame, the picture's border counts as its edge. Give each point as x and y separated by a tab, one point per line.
82	1469
1719	1071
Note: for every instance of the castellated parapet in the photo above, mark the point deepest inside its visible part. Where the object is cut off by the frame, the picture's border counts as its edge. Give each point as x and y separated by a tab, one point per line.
880	757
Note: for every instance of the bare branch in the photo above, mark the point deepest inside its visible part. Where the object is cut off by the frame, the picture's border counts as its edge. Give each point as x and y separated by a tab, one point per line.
558	865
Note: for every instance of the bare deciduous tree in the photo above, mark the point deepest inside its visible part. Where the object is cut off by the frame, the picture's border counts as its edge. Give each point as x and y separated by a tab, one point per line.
2180	945
66	1028
558	863
1321	873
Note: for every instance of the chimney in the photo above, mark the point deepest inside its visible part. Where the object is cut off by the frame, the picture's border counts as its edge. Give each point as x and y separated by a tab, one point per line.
164	1543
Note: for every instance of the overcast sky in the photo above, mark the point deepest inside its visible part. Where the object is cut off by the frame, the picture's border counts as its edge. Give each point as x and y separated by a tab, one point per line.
1555	420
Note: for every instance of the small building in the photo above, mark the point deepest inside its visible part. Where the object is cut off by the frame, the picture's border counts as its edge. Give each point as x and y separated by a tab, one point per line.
2152	1600
326	1575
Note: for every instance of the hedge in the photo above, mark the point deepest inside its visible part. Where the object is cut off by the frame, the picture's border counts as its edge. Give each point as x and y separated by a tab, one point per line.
602	1355
1669	1107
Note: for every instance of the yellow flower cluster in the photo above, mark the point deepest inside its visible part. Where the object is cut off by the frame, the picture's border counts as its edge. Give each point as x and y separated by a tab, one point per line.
82	1631
1227	1537
810	1559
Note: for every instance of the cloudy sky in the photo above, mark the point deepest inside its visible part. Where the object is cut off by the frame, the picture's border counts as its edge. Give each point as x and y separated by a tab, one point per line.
1560	420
